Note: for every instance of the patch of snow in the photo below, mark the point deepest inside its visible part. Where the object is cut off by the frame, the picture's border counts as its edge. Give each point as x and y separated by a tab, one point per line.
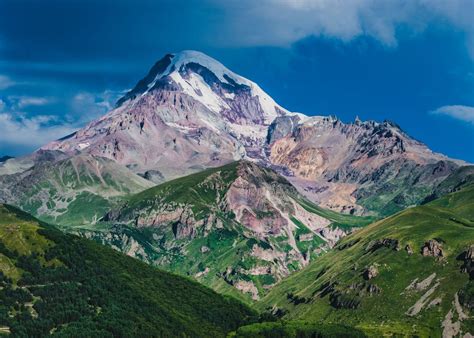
191	56
196	84
269	106
82	146
181	128
313	120
254	132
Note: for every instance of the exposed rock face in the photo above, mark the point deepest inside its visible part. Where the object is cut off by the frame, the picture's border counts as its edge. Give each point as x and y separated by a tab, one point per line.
191	113
365	288
386	242
468	261
247	287
373	289
246	213
340	300
188	113
57	183
432	248
371	272
241	211
153	175
421	285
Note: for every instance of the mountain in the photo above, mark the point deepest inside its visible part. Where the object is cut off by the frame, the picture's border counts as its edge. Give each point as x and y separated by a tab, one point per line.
53	283
70	190
410	274
358	167
458	179
239	228
190	113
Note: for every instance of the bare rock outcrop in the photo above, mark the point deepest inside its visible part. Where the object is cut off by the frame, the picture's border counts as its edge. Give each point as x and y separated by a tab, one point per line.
468	261
371	272
432	248
385	242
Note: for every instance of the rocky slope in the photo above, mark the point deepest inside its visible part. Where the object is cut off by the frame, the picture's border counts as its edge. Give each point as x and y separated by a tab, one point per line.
190	113
69	190
357	167
410	275
238	228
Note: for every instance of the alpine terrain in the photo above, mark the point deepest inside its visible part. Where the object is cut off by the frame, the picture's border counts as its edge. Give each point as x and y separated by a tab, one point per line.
295	225
62	285
190	113
410	274
238	228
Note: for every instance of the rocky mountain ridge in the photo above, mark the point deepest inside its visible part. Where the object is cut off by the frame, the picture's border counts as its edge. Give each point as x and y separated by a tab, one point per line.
191	113
69	190
406	275
238	228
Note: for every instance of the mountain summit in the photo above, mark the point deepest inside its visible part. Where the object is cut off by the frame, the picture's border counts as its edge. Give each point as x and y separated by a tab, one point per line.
190	113
209	82
187	114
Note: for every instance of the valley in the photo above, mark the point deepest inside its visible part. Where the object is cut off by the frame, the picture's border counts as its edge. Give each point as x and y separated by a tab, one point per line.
198	206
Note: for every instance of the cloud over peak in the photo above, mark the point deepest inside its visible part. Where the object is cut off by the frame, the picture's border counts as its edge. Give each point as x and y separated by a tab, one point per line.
283	22
24	131
463	113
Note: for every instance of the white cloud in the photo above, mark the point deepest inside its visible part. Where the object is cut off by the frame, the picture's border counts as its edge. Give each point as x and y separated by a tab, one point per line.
282	22
19	130
5	82
463	113
18	102
86	106
25	101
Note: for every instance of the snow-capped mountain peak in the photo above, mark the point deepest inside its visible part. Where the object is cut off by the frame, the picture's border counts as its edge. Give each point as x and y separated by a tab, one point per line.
190	112
211	83
190	56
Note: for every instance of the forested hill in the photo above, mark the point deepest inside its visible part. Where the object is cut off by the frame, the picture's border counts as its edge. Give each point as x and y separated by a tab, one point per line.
52	283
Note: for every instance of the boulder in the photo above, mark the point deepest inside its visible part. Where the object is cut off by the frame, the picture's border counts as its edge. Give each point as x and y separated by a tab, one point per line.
432	248
371	272
373	289
468	261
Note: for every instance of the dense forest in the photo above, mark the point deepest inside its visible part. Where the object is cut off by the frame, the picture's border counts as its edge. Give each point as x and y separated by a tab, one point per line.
67	286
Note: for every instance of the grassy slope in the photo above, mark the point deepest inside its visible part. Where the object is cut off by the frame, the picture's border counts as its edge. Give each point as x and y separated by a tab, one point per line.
229	246
189	190
52	282
76	191
450	219
342	221
186	190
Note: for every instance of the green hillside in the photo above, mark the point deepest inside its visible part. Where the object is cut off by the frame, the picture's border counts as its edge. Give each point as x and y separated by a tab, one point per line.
238	228
52	283
408	274
72	191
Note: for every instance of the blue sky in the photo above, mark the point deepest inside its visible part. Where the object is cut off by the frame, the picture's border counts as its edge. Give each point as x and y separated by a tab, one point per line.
63	63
